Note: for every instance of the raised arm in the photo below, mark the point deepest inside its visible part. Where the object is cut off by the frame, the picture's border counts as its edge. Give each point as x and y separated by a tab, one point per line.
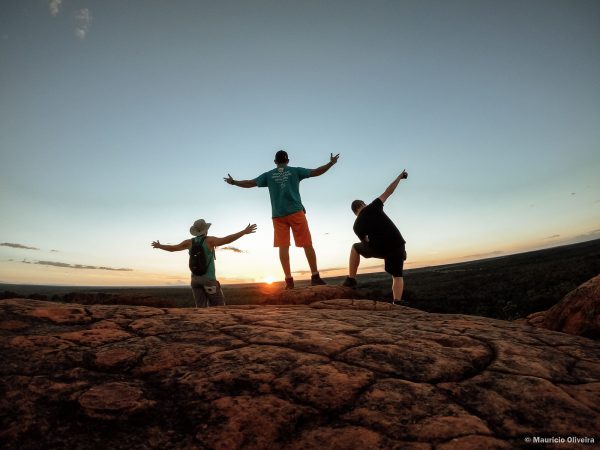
324	168
240	183
183	245
217	241
392	187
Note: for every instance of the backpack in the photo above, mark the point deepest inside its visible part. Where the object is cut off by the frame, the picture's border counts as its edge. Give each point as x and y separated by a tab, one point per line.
198	261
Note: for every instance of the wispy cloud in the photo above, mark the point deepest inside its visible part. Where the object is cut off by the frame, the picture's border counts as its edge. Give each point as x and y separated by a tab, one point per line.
484	255
76	266
55	251
83	22
25	247
592	233
233	249
322	271
54	6
554	236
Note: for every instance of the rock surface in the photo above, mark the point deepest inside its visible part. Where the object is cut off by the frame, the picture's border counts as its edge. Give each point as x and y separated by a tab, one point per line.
332	375
577	313
308	295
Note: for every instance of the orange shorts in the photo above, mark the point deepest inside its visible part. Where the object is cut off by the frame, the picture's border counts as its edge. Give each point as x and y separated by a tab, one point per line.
299	225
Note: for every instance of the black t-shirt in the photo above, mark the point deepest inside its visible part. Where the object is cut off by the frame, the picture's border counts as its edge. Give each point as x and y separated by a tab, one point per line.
374	223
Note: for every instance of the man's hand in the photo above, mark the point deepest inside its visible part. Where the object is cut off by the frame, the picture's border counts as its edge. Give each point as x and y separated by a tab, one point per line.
250	229
156	244
229	179
404	175
333	159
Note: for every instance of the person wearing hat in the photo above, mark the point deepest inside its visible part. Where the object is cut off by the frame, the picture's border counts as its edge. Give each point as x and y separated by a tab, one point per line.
206	288
287	210
379	238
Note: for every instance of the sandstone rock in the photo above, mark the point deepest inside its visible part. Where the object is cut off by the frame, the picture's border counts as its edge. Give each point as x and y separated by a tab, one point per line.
310	294
577	313
113	400
335	374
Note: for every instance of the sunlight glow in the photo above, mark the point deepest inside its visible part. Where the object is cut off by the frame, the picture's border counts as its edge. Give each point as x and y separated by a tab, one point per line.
269	279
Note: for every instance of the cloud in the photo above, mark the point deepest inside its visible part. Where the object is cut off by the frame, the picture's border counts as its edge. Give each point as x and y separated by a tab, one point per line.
76	266
592	233
308	272
484	255
554	236
233	249
83	22
25	247
54	6
55	251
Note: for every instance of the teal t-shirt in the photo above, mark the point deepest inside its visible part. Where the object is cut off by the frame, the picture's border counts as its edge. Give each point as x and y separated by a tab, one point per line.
284	189
210	259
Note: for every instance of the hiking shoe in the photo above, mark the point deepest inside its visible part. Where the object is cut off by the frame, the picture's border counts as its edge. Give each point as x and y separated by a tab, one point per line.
289	283
315	280
349	282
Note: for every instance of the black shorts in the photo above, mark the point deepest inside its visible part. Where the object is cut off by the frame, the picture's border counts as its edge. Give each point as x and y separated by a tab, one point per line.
393	258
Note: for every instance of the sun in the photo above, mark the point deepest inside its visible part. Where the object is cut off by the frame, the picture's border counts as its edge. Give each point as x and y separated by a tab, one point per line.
269	279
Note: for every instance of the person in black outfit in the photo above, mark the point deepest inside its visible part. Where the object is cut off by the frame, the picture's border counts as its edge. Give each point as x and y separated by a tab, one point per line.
379	238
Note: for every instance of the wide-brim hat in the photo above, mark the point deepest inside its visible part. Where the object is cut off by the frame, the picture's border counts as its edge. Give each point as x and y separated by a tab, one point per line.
199	228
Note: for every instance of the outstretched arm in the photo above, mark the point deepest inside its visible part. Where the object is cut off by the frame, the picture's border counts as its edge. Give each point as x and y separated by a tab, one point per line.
183	245
392	187
324	168
240	183
217	241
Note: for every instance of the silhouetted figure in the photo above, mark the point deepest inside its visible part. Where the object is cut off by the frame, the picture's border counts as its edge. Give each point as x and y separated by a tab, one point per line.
205	286
379	238
288	212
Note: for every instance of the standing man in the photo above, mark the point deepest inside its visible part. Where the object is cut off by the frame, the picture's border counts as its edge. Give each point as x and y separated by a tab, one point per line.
288	212
379	238
205	286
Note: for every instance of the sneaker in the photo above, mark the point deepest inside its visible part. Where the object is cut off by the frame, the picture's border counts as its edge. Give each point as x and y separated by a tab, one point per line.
349	282
316	280
289	283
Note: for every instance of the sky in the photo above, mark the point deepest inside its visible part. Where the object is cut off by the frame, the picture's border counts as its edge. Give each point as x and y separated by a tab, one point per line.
119	120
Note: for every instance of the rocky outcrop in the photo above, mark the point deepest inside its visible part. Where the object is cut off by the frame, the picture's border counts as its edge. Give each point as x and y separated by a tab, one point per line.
308	295
577	313
332	375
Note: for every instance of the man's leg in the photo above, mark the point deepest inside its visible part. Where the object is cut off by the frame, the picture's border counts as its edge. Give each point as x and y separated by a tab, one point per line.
397	288
215	294
200	298
311	257
281	239
354	262
394	265
303	239
284	257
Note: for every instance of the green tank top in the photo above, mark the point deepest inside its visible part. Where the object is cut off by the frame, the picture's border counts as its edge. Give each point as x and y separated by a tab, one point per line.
210	259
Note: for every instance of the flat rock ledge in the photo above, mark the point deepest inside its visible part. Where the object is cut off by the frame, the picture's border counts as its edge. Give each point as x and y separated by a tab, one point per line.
309	294
332	375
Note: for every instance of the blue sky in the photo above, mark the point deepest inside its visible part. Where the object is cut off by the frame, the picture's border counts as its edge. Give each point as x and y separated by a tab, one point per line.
118	121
